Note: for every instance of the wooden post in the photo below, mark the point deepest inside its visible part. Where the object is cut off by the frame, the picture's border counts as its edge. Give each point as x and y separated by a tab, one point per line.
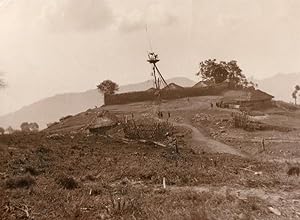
164	183
176	146
263	145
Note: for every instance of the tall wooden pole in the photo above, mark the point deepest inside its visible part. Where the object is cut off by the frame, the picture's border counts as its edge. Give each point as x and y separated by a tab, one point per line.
160	75
155	80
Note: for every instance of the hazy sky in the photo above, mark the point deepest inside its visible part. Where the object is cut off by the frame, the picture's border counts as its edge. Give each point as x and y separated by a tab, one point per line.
54	46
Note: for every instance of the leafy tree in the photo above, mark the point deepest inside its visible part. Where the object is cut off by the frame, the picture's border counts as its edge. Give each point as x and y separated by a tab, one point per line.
295	93
108	87
10	130
29	127
2	131
25	127
34	127
2	84
217	72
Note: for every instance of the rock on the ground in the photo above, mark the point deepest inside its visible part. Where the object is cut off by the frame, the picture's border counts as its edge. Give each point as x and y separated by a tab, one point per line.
275	211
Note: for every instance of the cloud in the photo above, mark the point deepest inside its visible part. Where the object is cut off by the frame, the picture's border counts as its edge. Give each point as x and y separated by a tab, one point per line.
155	14
78	15
60	15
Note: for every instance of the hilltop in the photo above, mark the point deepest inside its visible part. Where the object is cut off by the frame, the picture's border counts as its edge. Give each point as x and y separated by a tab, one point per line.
53	108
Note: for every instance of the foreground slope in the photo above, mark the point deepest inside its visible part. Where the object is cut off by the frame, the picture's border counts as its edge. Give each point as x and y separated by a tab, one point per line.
67	175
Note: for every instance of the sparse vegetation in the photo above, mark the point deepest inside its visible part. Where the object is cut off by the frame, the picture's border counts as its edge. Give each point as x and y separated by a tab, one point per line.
127	180
86	176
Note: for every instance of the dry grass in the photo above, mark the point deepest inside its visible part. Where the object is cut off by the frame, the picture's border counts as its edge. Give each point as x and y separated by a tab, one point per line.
109	180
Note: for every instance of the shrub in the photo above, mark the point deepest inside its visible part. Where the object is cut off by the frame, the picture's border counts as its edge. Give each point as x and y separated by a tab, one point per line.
20	182
293	171
67	182
123	207
242	120
32	170
147	129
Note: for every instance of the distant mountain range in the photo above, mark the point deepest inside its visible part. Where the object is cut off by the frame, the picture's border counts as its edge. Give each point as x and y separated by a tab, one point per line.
281	85
53	108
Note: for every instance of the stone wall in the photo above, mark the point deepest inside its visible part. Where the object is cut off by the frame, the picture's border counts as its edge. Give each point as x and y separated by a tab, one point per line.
131	97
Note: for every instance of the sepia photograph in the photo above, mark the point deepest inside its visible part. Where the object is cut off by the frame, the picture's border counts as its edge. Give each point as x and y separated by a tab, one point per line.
150	109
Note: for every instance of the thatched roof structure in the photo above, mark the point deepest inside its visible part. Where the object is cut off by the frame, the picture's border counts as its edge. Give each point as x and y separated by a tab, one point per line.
173	86
246	95
201	84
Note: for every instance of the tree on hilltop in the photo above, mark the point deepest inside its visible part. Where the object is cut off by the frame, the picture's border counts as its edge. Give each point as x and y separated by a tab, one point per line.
29	127
295	93
34	127
10	130
25	127
2	83
108	87
217	72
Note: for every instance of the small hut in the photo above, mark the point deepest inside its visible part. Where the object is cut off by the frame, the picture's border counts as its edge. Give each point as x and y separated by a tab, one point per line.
201	84
152	89
247	98
173	86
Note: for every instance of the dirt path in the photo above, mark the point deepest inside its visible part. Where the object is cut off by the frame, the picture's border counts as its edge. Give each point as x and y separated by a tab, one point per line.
209	144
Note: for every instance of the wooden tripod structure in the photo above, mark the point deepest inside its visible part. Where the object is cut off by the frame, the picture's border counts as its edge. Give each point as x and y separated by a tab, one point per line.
158	77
